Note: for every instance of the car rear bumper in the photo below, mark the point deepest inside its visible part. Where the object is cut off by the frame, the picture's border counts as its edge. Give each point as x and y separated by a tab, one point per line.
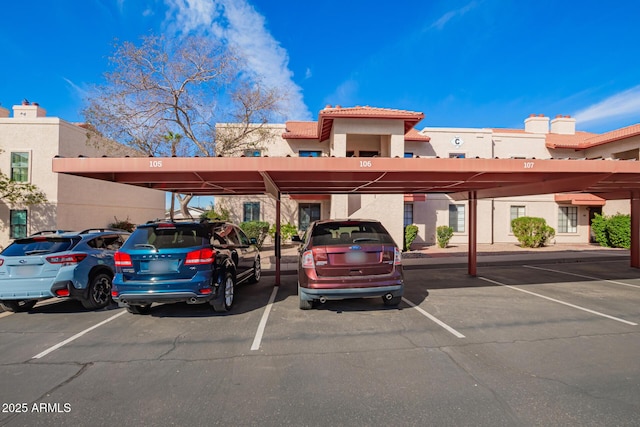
161	297
25	289
396	290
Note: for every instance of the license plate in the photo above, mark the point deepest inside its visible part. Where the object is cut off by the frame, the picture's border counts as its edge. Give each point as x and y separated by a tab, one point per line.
356	257
159	266
27	270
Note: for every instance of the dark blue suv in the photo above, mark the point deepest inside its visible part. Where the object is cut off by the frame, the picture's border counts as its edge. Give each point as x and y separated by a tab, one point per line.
192	262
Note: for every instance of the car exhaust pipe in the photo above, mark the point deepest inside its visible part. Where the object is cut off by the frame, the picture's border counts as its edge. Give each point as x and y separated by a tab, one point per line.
388	296
123	301
323	300
193	300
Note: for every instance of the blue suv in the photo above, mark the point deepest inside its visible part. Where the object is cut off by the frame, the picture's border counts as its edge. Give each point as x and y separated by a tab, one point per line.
192	262
63	264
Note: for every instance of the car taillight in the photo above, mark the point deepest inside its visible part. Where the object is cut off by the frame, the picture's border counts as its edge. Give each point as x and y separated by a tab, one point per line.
397	257
307	259
122	259
62	292
68	259
201	256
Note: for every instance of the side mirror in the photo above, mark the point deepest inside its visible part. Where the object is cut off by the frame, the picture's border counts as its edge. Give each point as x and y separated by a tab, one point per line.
296	239
253	240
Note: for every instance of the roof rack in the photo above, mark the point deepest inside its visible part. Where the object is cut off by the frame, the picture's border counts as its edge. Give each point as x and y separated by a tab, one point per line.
101	230
41	232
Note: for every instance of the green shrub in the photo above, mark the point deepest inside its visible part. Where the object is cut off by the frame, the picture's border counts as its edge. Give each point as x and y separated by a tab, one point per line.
444	233
532	232
221	215
612	231
123	224
257	230
410	234
286	231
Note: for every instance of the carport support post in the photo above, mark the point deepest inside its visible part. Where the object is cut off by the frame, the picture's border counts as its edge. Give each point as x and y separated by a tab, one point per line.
278	243
635	229
473	220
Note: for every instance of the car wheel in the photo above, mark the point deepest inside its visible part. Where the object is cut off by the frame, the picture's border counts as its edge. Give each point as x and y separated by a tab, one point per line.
99	295
17	306
393	302
224	301
139	309
255	278
305	304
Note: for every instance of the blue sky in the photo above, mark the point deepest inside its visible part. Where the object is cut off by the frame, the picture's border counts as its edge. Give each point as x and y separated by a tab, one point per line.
473	63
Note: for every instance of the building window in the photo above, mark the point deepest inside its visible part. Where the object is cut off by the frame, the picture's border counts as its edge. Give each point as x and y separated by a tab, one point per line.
307	213
408	155
308	153
568	219
516	212
251	211
363	153
457	155
408	214
18	224
456	218
20	167
252	153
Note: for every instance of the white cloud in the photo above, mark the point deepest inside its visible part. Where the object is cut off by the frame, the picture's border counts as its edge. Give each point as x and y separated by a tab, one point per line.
620	105
344	95
243	27
444	19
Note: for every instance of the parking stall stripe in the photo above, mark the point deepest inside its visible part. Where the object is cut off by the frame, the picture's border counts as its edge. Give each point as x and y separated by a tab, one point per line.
597	313
5	314
76	336
615	282
263	321
434	319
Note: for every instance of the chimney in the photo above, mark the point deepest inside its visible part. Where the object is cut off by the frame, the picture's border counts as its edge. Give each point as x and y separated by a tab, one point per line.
563	125
3	113
28	110
537	124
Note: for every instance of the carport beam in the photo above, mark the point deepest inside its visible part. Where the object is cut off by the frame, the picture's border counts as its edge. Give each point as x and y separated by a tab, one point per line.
473	220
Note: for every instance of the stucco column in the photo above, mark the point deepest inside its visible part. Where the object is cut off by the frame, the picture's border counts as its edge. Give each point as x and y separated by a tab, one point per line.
635	229
339	145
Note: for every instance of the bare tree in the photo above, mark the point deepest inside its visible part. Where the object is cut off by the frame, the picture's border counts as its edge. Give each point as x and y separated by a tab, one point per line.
165	97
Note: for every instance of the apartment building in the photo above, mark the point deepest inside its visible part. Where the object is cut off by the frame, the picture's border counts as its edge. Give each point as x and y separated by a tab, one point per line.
29	140
380	132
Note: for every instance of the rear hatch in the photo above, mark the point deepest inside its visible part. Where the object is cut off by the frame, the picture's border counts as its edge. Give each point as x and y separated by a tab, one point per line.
35	257
354	260
169	253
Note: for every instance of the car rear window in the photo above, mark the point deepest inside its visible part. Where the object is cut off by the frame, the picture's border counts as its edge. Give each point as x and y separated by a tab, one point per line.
167	236
39	246
349	232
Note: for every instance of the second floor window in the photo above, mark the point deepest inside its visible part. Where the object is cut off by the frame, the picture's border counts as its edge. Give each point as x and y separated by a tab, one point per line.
251	211
308	153
20	167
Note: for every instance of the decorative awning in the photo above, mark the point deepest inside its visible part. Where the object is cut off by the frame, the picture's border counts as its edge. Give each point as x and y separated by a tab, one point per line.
580	199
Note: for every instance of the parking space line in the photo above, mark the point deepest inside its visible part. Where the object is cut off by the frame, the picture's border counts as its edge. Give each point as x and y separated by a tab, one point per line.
615	282
263	321
597	313
78	335
434	319
5	314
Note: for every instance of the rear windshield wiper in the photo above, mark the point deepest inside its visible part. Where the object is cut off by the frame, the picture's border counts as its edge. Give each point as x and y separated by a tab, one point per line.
37	251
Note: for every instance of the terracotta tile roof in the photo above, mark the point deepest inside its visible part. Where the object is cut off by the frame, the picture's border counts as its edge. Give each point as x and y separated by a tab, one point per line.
301	130
580	199
414	135
614	135
304	130
576	141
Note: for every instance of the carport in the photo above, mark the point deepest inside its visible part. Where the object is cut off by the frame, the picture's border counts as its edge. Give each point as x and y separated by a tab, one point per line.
462	179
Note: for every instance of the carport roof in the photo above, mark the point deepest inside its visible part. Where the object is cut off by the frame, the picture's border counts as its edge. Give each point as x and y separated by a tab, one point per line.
331	175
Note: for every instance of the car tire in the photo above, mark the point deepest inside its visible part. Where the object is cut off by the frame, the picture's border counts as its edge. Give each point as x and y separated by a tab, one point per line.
224	301
305	304
257	271
98	292
139	309
393	302
17	306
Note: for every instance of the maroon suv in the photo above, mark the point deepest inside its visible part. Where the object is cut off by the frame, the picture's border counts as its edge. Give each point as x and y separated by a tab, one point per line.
348	259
